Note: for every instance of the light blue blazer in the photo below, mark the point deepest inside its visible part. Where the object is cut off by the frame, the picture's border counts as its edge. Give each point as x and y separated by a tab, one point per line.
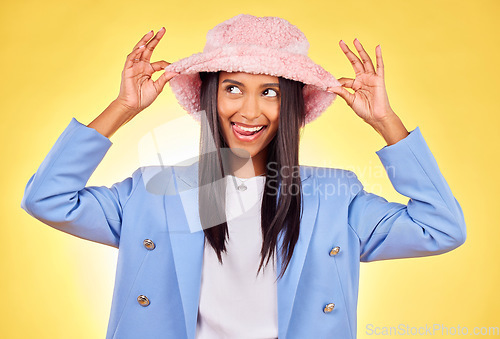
160	204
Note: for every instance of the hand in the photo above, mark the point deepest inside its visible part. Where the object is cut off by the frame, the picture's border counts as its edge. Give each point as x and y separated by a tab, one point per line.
369	100
137	89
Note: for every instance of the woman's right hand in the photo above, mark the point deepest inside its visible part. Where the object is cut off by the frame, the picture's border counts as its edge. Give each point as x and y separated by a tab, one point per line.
137	89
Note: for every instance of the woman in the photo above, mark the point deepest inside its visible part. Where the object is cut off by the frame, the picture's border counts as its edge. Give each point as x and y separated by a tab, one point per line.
283	241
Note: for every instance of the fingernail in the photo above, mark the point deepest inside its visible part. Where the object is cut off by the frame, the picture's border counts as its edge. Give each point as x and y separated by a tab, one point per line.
142	46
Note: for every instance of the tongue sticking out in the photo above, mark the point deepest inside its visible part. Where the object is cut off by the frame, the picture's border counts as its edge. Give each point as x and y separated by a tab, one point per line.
243	132
246	132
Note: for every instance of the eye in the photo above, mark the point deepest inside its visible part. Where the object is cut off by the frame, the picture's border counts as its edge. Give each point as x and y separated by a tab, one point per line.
270	92
230	89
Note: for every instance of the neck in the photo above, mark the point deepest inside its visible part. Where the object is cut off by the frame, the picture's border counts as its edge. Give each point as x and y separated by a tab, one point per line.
248	167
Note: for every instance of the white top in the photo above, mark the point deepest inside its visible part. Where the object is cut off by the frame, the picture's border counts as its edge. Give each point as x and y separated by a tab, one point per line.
235	302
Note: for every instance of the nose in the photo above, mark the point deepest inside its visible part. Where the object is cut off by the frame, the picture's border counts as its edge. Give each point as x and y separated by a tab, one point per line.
250	108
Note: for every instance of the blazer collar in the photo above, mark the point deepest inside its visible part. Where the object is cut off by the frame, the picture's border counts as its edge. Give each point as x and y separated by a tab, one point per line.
187	240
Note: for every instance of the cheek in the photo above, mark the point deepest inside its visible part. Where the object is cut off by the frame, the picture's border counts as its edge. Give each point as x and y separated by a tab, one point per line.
226	107
221	105
274	116
273	110
273	127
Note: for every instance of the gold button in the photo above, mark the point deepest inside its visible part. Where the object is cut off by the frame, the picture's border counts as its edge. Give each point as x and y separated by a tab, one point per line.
143	300
329	307
149	244
334	251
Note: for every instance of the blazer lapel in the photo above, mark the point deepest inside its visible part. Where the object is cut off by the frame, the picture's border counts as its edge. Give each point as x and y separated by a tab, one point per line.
187	241
287	285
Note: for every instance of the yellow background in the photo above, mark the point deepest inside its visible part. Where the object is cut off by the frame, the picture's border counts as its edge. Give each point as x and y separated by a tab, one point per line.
63	59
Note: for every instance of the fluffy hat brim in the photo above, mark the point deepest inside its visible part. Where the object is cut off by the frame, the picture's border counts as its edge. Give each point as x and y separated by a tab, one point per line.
256	60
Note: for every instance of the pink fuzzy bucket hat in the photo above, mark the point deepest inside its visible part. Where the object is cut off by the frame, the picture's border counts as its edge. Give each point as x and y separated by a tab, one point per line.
258	45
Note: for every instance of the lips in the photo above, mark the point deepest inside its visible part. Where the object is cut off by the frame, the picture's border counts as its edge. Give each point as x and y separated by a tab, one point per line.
247	133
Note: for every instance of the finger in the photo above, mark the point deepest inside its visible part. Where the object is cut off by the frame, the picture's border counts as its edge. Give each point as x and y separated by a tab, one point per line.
134	57
356	63
347	82
150	46
380	62
364	56
343	93
159	65
163	79
144	39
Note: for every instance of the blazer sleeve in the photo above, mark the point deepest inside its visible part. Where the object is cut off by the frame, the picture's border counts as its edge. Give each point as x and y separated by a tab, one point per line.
431	223
57	196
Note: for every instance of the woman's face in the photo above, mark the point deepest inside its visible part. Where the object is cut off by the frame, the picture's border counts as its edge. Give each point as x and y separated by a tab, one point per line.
249	108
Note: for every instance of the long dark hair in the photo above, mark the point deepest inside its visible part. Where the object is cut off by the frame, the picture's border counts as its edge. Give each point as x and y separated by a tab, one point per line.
280	213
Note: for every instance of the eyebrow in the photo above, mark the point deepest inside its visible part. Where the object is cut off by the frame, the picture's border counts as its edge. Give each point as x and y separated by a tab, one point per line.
242	85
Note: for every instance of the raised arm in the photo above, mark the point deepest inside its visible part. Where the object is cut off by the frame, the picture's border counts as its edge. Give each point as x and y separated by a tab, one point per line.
57	194
137	89
432	222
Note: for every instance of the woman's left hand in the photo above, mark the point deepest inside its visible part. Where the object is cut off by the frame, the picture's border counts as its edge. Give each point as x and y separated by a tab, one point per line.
369	100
